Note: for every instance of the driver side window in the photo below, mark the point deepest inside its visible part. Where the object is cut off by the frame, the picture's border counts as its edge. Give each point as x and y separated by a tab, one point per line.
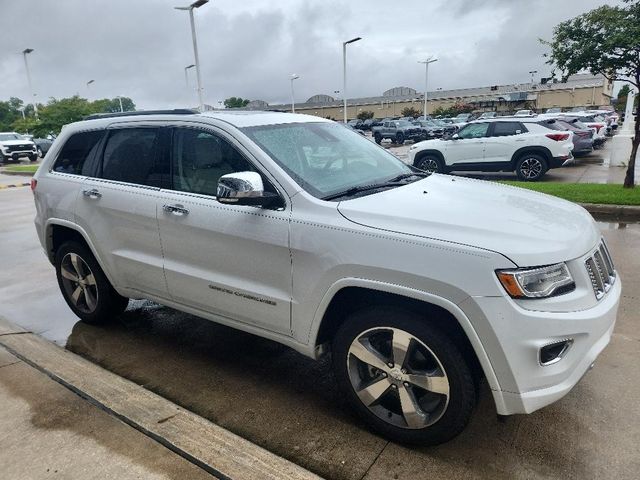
474	130
200	158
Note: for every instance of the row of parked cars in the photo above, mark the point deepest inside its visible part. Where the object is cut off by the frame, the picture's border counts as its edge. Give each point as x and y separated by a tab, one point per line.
14	146
529	145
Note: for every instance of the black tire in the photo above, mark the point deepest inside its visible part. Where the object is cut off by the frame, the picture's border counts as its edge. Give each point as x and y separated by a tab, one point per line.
531	167
429	163
462	393
108	303
378	138
400	138
33	158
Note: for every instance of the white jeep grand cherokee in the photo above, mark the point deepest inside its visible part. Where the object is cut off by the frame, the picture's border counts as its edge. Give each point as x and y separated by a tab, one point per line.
296	229
501	144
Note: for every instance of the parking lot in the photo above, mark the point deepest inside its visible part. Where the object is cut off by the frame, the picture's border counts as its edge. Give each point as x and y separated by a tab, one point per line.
288	404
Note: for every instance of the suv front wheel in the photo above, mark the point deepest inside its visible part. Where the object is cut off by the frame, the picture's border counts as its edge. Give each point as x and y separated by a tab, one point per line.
406	379
84	285
531	167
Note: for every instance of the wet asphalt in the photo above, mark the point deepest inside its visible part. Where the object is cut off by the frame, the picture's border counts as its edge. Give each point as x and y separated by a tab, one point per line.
288	403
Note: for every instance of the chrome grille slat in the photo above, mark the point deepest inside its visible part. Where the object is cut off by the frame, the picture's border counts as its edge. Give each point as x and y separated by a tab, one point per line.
601	270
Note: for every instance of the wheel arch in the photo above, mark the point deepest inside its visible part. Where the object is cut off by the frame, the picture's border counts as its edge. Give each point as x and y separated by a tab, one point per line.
346	295
425	152
58	231
537	149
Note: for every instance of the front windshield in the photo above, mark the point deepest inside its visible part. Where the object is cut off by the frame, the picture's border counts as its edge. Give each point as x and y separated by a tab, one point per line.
402	123
9	136
325	158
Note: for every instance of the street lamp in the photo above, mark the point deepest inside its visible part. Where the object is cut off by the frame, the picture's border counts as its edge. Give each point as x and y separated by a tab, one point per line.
426	80
120	99
90	82
186	78
190	8
26	66
344	74
294	76
532	73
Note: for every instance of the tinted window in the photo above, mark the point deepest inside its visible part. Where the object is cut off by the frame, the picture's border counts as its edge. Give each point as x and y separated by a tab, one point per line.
502	129
75	152
130	156
201	158
474	130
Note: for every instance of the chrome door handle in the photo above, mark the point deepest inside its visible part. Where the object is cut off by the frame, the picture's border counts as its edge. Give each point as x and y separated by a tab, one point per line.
175	209
93	193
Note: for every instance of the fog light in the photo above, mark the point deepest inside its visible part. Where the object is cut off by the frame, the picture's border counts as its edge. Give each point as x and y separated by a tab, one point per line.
553	353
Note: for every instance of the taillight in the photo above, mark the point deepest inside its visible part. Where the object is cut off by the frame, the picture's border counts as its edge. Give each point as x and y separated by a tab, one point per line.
597	127
558	137
34	183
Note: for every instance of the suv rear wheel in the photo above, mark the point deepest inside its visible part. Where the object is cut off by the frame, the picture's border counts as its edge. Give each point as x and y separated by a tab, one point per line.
406	379
84	285
378	138
400	138
531	167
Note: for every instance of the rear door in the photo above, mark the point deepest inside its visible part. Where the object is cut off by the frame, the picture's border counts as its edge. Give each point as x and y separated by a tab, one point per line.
503	140
117	206
228	260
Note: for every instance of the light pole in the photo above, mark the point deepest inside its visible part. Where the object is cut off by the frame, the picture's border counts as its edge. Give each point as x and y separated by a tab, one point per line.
344	74
26	66
294	76
186	78
426	81
190	8
120	99
532	73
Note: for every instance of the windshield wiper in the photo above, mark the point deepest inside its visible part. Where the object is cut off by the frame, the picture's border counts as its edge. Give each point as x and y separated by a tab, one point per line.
393	182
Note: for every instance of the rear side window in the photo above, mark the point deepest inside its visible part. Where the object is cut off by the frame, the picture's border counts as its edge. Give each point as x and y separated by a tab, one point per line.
503	129
75	152
130	156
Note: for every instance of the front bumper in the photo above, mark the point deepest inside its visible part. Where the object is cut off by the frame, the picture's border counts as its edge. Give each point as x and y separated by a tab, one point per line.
514	337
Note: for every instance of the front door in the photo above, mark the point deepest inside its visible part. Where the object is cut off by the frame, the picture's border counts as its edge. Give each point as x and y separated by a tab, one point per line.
228	260
468	147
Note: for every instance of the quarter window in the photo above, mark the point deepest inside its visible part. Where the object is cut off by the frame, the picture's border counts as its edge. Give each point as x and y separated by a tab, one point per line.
201	158
130	156
503	129
474	130
75	152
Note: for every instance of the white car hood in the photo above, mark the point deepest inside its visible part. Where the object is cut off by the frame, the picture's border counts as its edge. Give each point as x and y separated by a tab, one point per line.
6	143
529	228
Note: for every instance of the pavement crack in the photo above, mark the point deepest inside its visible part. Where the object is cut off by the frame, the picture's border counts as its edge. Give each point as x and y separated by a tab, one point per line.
167	418
14	333
374	460
9	364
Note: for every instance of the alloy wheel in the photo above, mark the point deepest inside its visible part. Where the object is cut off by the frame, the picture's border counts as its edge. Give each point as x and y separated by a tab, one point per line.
429	165
398	378
79	283
531	168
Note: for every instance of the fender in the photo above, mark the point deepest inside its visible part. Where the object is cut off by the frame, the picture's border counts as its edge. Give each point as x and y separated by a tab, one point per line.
73	226
449	306
544	151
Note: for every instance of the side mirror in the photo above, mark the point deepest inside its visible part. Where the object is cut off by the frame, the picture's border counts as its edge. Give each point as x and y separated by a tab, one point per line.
455	136
244	188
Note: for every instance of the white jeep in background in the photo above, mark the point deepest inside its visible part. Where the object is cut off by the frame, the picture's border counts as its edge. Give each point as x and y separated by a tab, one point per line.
14	146
503	144
296	229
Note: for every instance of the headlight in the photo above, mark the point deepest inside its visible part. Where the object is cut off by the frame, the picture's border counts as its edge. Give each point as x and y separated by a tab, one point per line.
537	282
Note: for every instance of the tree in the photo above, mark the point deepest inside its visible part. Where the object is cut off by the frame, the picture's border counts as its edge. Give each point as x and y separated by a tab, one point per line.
604	41
453	110
409	112
236	102
365	115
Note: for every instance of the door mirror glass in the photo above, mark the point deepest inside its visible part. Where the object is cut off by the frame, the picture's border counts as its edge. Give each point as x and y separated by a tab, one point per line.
244	188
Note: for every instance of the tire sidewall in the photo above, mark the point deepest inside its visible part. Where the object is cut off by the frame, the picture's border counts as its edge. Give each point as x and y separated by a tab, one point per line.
463	392
526	156
440	168
107	301
378	138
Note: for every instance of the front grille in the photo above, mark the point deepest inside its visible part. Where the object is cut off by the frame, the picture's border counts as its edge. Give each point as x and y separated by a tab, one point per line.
601	271
18	148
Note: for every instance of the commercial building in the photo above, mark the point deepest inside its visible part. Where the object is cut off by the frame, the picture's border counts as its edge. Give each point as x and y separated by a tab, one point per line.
581	90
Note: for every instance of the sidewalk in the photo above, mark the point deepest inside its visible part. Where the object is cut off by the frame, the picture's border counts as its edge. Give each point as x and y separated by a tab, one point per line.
49	432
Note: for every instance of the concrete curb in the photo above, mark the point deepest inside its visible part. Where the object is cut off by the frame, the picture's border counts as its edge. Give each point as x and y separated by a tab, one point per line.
209	446
614	212
18	174
15	185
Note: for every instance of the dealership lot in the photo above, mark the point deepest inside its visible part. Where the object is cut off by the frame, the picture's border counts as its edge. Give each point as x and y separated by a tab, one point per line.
289	405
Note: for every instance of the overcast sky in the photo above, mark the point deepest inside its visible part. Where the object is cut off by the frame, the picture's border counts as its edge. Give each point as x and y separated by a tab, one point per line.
249	48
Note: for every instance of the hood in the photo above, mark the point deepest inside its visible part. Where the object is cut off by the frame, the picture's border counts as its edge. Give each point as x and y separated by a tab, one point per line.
529	228
6	143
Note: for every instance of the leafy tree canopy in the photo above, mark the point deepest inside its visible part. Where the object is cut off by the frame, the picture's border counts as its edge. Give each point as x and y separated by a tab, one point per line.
236	102
410	112
365	115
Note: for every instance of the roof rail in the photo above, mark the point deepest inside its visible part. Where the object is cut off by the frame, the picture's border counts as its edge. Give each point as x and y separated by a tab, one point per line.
175	111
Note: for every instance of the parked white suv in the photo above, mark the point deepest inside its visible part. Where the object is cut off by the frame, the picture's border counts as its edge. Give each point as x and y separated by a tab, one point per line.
501	144
296	229
14	146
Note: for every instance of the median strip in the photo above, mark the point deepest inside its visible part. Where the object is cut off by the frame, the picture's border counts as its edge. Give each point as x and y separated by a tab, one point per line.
209	446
